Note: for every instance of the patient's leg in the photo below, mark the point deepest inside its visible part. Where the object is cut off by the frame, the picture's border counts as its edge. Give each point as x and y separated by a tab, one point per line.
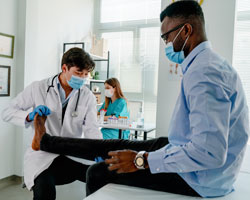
87	148
92	148
39	124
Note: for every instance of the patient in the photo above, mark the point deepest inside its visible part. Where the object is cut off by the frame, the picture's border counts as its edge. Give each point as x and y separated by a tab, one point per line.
122	162
209	129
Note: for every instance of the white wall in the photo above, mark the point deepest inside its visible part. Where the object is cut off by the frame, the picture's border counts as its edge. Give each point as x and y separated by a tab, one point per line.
8	25
41	27
220	18
48	25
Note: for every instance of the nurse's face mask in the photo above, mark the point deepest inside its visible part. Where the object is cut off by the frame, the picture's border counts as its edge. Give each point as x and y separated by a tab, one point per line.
109	92
176	57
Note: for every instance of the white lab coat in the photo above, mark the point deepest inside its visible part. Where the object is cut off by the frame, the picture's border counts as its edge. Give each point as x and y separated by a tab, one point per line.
84	125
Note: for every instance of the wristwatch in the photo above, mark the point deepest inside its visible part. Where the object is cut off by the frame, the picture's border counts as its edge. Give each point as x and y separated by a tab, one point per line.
140	160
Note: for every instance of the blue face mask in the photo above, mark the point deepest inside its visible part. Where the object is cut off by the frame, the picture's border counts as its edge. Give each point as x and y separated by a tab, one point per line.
176	57
76	82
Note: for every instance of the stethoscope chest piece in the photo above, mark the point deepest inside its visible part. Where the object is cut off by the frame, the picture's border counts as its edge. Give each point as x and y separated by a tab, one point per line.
74	114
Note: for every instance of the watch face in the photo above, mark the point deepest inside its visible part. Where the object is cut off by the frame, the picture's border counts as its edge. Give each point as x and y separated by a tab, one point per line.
139	161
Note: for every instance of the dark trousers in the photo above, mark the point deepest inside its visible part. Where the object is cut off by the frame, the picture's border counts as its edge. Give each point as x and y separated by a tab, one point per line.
62	171
98	175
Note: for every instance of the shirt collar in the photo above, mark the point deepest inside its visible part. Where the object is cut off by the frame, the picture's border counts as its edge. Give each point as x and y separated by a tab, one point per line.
191	56
58	82
62	92
60	89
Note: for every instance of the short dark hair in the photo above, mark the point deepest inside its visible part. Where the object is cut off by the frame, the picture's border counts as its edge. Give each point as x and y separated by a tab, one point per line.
79	58
184	9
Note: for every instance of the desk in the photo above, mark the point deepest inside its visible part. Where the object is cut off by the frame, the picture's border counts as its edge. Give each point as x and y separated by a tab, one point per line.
148	127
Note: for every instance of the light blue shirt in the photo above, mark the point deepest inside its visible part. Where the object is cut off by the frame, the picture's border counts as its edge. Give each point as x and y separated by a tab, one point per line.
210	126
62	94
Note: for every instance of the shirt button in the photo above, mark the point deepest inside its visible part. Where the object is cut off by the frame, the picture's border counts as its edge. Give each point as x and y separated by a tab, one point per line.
158	169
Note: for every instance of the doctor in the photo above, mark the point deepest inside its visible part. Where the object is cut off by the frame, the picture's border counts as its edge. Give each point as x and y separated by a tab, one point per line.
70	108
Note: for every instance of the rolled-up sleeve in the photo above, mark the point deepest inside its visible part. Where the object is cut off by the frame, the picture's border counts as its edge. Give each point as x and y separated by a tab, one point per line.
209	108
120	107
19	107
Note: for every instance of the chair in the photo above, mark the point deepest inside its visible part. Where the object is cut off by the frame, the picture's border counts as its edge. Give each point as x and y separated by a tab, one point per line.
133	108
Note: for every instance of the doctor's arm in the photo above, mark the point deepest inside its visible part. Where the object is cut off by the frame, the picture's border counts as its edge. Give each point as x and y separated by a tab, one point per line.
18	109
105	117
90	127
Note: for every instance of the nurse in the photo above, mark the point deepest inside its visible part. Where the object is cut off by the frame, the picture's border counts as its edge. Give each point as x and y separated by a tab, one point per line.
116	105
70	108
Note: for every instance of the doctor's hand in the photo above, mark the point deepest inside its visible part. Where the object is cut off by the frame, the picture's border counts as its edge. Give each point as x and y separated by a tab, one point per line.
40	110
122	161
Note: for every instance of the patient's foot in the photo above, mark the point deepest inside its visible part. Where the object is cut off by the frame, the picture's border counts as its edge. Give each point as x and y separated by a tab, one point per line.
39	124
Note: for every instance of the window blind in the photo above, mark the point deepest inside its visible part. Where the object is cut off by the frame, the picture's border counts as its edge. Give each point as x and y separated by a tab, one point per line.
241	57
132	31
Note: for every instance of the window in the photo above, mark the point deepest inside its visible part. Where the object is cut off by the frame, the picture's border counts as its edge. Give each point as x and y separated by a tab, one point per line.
132	31
241	57
128	10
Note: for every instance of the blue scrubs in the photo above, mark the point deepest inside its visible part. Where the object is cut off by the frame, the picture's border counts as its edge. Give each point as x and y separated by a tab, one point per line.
117	108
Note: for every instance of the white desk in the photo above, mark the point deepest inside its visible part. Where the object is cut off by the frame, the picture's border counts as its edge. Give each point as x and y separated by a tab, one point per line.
148	127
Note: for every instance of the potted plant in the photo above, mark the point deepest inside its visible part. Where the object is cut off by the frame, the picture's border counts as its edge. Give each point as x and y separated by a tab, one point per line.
96	75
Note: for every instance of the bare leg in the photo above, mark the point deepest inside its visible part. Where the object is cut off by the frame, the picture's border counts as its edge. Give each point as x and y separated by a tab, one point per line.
39	124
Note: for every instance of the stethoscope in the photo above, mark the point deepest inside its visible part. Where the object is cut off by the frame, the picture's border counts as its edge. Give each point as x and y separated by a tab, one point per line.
74	113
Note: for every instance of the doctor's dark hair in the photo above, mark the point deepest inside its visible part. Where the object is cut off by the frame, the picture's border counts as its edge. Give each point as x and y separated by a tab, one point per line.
79	58
185	10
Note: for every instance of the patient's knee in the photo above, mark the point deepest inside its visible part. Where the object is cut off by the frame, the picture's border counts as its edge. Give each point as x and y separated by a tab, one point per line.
97	171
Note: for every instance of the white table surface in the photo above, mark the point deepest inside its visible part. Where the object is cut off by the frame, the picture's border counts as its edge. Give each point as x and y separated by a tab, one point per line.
147	127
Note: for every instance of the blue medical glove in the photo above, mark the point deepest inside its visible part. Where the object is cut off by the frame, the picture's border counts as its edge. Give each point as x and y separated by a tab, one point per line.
40	110
99	159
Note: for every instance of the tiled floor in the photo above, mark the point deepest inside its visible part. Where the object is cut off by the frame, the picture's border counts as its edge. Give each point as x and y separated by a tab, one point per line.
15	192
73	191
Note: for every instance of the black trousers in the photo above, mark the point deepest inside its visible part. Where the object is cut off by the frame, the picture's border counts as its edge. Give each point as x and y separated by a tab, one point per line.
98	174
62	171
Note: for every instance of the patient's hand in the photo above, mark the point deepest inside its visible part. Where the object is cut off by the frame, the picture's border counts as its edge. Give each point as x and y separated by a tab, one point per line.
122	161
